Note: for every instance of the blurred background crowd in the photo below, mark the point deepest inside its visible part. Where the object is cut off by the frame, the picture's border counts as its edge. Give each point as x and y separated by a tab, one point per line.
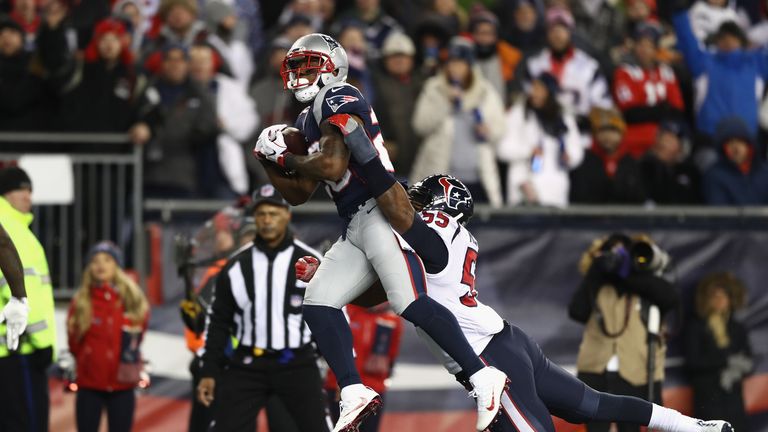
529	102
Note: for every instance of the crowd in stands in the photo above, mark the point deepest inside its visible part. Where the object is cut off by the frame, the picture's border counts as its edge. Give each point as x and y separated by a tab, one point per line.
530	102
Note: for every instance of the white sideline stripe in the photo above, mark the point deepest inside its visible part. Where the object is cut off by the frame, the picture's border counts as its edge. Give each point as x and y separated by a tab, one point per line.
169	358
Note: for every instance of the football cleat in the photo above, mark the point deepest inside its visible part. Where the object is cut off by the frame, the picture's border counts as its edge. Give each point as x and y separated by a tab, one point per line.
357	403
489	383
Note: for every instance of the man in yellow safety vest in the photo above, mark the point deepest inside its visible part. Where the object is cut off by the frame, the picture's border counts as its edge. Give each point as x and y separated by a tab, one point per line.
23	379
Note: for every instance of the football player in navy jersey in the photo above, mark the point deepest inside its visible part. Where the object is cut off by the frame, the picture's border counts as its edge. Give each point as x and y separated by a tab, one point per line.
338	118
538	386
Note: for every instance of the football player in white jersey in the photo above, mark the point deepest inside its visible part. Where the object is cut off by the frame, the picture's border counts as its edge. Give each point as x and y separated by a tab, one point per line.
538	386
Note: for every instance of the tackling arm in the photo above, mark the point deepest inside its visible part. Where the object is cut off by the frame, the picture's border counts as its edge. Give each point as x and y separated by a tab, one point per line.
390	196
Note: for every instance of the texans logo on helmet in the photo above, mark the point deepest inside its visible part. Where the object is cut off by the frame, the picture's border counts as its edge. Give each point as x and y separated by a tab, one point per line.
452	195
335	102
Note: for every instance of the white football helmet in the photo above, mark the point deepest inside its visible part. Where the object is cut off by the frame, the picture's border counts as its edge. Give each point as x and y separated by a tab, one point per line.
314	61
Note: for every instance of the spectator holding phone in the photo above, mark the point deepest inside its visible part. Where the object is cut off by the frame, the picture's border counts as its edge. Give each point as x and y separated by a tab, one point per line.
105	325
461	117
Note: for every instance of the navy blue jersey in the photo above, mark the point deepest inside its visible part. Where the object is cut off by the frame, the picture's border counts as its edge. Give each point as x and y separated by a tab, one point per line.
341	98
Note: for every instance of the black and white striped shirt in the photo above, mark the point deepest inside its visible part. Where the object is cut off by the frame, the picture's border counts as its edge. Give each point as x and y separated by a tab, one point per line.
258	301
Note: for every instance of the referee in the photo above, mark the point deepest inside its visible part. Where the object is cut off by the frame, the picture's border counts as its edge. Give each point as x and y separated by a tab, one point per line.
259	301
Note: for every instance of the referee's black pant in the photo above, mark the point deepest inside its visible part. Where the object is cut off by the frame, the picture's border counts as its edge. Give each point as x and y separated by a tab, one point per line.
247	383
24	392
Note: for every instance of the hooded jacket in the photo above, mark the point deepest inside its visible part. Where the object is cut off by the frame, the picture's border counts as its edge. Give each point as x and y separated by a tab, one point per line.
726	183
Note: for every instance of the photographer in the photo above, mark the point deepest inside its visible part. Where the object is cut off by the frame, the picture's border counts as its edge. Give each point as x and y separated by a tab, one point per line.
621	285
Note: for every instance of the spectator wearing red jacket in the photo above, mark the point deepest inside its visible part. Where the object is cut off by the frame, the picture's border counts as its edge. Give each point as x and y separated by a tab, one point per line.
105	325
646	91
376	334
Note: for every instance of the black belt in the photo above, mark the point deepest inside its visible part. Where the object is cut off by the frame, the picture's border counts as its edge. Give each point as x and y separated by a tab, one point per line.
283	355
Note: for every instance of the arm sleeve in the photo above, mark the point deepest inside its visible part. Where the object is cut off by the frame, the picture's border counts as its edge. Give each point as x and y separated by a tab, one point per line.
428	245
218	327
694	56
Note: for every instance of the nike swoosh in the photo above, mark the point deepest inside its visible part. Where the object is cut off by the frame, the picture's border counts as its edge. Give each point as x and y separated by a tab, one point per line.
493	403
361	404
335	89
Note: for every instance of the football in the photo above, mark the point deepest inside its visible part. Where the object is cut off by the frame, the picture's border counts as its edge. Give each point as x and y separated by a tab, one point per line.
295	141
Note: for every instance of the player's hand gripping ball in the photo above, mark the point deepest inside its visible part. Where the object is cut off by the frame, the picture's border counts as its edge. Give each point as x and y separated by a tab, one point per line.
278	141
271	145
306	267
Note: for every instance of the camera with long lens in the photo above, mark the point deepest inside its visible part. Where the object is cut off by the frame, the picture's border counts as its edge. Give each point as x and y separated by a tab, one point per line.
648	257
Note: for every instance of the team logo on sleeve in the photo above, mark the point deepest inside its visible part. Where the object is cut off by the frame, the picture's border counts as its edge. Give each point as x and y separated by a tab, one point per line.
336	102
454	193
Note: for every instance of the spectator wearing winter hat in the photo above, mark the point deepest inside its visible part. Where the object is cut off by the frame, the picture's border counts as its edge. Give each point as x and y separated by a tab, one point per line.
102	91
496	58
739	177
583	85
223	26
24	102
460	117
726	77
180	26
646	91
608	174
398	85
667	171
541	145
105	326
184	127
527	31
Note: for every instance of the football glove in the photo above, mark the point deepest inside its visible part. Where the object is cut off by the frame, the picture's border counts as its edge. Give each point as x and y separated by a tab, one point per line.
306	267
15	316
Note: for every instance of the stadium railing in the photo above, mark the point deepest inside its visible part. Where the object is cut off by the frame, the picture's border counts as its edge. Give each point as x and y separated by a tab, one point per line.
106	203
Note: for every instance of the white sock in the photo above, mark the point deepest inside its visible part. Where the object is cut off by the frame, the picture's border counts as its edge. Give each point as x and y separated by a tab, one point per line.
352	388
669	420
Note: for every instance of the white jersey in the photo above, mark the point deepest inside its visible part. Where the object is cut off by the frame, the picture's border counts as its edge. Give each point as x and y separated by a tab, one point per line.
454	286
